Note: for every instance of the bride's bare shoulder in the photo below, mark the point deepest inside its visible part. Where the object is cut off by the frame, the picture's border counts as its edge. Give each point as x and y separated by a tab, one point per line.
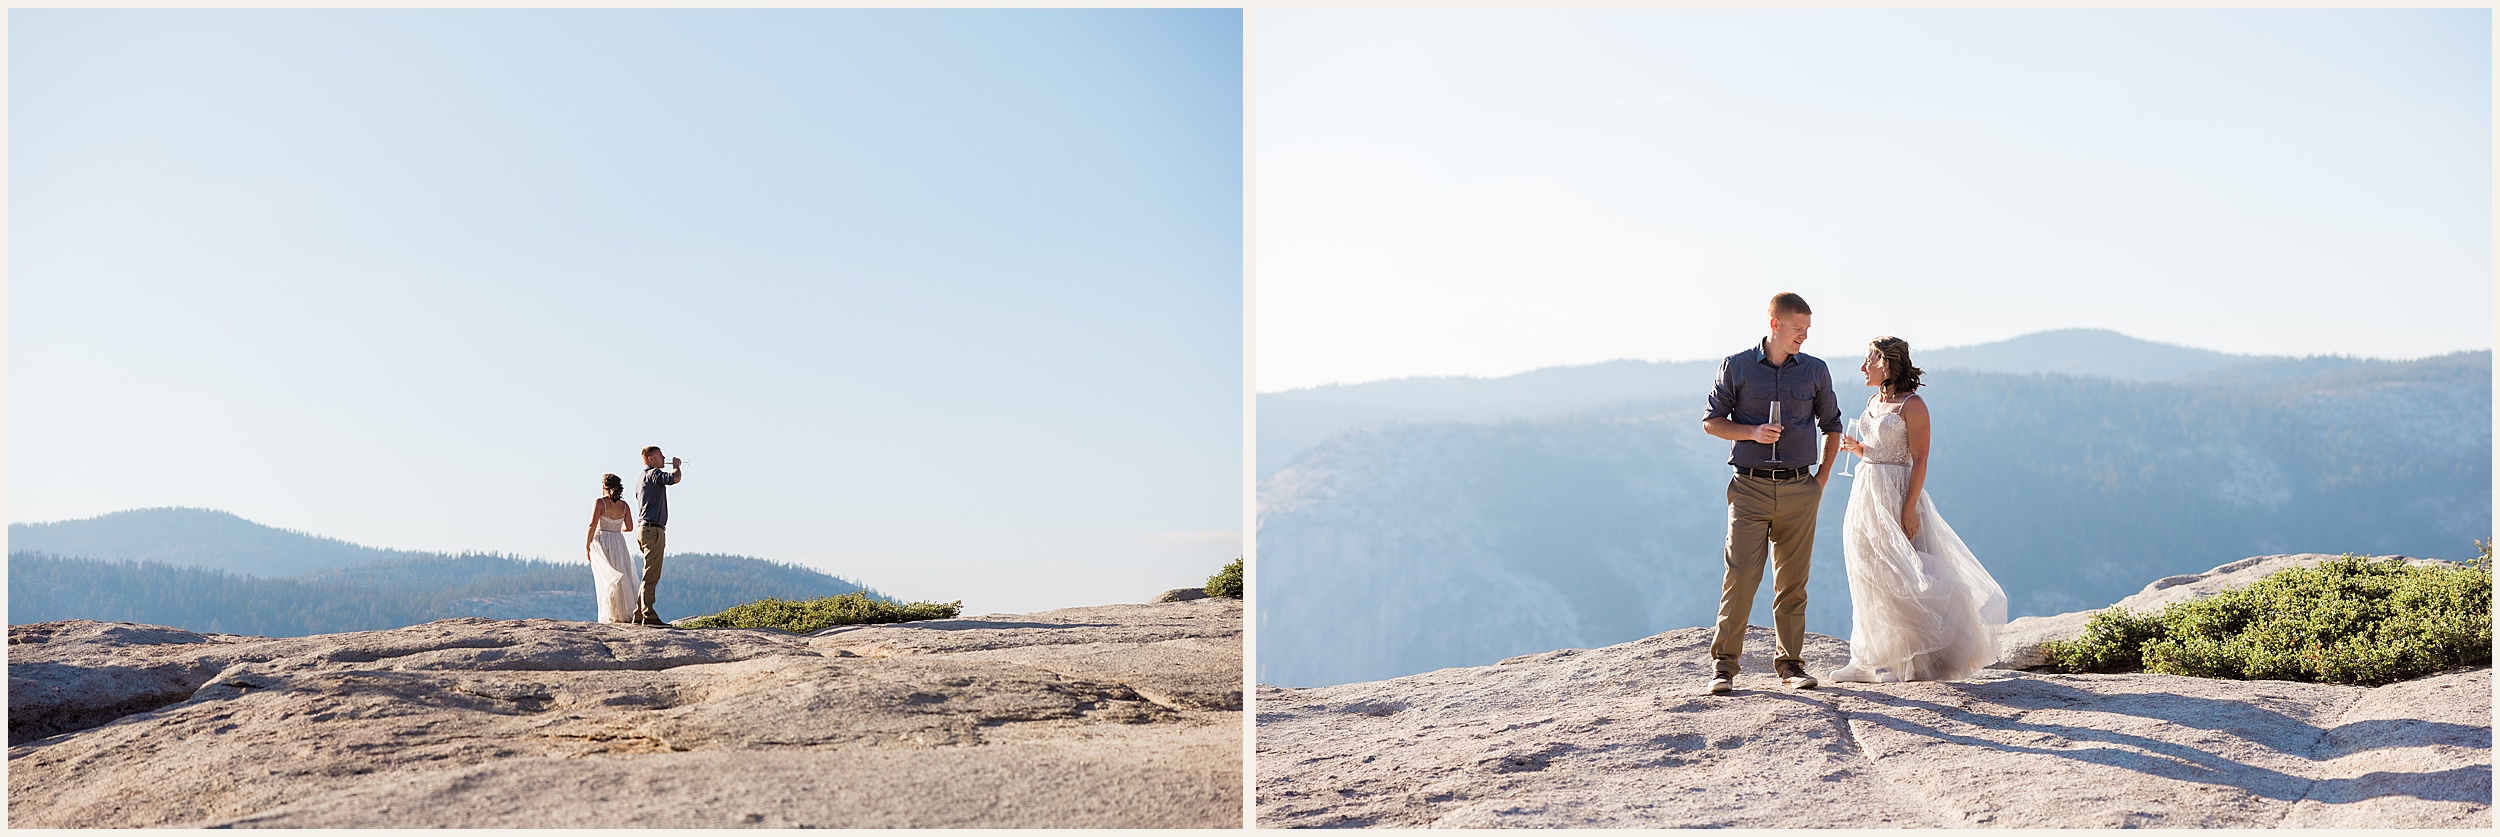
1913	405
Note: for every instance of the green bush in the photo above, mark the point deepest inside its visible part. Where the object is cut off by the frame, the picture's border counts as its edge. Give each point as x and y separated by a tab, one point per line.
1227	583
814	615
2112	641
2348	620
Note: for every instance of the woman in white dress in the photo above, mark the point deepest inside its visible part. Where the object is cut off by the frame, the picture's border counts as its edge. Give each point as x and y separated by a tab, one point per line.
612	573
1924	608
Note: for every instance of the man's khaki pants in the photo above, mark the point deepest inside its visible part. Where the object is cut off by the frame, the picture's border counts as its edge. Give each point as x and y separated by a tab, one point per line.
655	541
1774	520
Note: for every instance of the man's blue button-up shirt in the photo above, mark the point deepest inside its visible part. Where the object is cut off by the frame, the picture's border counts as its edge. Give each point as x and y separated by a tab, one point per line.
1747	383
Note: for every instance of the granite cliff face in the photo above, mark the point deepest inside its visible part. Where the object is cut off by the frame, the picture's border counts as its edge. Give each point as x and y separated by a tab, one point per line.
1115	716
1625	735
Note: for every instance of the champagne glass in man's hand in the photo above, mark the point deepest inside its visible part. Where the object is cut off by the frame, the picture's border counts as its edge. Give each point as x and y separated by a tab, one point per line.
1775	425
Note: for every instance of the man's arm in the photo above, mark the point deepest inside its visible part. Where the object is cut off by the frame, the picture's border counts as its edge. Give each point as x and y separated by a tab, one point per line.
1831	450
1732	431
1827	418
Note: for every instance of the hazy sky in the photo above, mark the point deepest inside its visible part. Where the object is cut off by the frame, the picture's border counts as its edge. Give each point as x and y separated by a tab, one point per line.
947	302
1482	192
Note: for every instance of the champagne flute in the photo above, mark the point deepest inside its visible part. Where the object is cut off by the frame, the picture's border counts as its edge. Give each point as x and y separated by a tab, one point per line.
1845	455
1775	419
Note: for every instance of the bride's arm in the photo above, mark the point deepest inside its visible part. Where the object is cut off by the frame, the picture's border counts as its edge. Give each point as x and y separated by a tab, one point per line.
1914	414
593	535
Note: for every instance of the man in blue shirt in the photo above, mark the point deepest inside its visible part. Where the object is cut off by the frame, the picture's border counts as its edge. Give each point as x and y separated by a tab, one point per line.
654	537
1771	504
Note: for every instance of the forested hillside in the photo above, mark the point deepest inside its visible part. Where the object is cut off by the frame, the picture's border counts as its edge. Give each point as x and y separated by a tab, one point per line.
389	594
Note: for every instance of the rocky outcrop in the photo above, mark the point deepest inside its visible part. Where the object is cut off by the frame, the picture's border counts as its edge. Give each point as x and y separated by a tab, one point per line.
1117	716
2020	643
1178	594
1626	735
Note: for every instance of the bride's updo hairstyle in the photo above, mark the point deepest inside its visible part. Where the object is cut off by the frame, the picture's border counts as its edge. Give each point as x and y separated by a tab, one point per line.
1900	378
616	487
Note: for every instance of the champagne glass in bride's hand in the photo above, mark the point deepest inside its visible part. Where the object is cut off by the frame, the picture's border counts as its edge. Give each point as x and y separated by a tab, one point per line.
1845	455
1775	420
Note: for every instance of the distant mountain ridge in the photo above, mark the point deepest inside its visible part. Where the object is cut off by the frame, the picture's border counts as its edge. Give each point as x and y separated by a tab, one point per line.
1291	422
1403	546
206	570
194	537
2081	352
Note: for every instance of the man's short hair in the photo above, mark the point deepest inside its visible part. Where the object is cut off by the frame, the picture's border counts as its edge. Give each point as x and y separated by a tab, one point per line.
656	449
1785	303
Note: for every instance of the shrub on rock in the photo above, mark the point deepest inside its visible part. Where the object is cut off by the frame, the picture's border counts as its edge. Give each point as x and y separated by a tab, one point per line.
2112	641
814	615
1226	583
2350	620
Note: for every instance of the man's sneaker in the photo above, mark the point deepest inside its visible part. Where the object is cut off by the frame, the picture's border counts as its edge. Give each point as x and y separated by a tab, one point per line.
1720	684
1797	678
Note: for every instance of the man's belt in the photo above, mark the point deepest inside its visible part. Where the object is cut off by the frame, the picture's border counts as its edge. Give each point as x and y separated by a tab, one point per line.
1773	473
650	525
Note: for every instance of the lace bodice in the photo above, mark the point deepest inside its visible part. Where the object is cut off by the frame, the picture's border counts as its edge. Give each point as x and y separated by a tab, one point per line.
611	524
1883	436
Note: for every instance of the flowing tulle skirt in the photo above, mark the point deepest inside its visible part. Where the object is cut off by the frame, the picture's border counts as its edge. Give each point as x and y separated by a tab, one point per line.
614	578
1923	608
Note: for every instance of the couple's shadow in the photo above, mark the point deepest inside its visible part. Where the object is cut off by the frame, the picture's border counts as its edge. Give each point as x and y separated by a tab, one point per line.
2172	760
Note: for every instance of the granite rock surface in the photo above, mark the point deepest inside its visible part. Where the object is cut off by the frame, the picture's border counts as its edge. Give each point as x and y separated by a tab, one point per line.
1628	736
1115	716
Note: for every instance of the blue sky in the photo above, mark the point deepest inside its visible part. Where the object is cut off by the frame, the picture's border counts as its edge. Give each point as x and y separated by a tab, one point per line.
948	302
1487	191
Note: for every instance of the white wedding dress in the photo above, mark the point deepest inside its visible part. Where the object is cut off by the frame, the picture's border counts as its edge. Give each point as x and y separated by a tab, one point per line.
614	578
1924	608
